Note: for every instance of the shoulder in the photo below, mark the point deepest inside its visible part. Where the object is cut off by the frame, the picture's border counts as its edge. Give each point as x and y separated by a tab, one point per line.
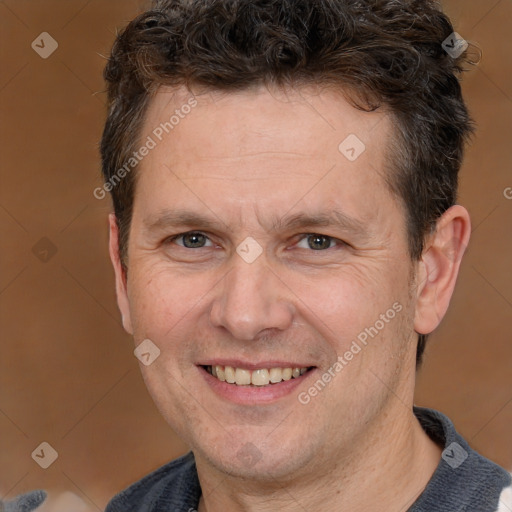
25	502
173	485
464	479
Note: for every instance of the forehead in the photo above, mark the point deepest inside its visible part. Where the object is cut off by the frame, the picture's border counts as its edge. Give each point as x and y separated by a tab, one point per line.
270	146
308	120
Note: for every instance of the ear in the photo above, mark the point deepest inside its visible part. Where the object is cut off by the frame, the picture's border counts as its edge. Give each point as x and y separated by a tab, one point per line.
439	267
121	281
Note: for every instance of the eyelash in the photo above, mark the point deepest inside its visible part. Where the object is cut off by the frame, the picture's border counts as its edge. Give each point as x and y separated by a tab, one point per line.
302	237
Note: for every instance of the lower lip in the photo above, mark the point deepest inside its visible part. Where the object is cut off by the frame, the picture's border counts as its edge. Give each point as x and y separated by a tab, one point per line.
252	395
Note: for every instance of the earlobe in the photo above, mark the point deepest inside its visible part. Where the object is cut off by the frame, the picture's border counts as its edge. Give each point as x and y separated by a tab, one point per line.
121	284
439	267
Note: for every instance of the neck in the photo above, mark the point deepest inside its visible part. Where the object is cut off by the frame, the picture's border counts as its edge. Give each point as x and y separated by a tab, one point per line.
388	469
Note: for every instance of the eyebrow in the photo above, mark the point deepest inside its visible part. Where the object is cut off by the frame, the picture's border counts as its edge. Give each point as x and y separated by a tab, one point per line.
179	218
333	218
186	218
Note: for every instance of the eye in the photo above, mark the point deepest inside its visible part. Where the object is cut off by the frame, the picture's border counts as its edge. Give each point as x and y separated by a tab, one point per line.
192	240
318	242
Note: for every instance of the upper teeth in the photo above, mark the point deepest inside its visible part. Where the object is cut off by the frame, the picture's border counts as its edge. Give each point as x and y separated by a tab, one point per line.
260	377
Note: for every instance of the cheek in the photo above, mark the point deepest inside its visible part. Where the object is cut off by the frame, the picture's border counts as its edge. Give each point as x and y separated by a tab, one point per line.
342	305
161	299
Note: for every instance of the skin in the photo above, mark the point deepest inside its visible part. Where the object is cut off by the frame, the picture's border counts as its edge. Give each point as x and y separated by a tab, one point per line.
243	160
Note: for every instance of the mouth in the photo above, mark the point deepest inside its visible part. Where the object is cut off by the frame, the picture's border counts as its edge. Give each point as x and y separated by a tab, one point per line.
261	377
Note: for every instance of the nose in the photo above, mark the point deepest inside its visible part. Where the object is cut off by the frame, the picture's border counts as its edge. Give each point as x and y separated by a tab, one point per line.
251	299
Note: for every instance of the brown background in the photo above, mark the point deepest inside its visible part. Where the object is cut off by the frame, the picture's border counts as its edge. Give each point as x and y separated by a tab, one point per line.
67	372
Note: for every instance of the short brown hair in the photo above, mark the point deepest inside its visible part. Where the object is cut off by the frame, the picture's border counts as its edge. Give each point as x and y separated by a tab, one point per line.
388	51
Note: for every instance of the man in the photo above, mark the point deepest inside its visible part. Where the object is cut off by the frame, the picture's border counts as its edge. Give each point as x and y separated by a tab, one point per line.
285	235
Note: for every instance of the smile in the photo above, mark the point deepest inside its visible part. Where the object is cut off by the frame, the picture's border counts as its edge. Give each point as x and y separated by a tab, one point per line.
258	377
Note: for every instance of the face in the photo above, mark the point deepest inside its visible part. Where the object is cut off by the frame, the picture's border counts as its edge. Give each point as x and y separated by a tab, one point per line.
260	240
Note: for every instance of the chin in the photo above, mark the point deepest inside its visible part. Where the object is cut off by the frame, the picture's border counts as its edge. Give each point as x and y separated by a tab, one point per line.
257	461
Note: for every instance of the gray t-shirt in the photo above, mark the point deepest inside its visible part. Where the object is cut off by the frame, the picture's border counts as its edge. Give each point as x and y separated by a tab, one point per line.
464	481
